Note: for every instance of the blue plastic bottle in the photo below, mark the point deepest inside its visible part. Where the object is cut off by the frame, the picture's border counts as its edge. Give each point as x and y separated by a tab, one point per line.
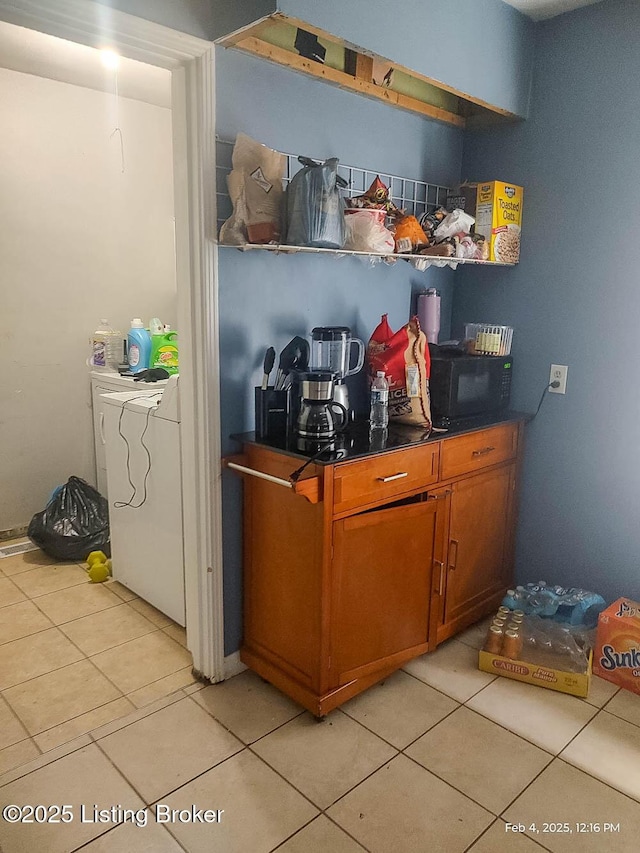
139	346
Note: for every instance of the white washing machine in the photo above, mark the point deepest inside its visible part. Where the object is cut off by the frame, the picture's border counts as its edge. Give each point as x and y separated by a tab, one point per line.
104	382
142	442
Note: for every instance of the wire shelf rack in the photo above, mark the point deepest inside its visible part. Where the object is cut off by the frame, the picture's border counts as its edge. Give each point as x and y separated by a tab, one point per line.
416	197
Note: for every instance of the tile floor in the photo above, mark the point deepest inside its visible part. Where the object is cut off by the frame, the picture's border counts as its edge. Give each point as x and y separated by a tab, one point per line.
439	757
75	655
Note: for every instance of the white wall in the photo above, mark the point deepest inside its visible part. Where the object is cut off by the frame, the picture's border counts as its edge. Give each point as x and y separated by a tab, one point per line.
79	240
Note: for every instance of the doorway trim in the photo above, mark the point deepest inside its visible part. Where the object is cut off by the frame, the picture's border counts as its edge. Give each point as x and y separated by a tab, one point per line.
191	62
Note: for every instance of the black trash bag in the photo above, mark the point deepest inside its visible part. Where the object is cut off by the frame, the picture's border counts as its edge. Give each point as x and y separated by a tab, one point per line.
315	208
73	523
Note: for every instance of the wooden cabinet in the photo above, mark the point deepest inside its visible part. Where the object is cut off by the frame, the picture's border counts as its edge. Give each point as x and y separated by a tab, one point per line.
386	556
479	562
382	567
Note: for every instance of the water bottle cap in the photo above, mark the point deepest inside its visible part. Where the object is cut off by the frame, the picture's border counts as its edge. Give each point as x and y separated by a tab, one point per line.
380	373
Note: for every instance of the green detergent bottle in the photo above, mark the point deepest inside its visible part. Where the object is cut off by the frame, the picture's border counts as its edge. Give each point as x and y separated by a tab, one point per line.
164	348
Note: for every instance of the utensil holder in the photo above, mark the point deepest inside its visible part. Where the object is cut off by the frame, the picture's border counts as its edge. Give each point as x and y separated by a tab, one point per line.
272	412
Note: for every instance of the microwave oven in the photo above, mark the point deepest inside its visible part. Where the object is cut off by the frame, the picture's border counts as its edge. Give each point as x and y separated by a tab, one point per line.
465	387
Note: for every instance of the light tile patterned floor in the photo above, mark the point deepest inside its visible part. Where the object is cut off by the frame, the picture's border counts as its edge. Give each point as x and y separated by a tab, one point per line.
75	655
439	757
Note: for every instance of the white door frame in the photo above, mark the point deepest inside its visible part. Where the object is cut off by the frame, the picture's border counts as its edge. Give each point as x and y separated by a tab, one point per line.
190	61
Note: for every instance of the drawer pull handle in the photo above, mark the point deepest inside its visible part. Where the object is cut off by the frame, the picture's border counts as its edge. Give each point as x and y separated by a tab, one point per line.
482	452
440	565
394	477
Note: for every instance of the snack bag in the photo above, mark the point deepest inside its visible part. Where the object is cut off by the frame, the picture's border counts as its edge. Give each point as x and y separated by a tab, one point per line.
377	197
409	235
404	357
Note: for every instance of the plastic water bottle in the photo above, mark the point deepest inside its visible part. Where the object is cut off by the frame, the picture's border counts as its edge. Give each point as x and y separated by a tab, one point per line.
107	347
139	351
379	415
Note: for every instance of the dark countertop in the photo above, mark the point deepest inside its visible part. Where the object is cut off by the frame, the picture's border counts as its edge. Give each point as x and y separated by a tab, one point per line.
357	441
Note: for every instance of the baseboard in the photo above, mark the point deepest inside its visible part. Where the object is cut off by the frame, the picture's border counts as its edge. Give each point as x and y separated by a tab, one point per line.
233	665
13	533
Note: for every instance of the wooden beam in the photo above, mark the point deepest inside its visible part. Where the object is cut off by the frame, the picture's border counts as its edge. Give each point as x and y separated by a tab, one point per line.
296	22
364	67
263	49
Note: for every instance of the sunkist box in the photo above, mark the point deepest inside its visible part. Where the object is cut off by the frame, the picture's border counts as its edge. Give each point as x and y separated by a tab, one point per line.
617	650
575	683
497	208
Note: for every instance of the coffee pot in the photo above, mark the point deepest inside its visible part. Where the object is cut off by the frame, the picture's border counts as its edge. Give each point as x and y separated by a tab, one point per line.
320	416
331	350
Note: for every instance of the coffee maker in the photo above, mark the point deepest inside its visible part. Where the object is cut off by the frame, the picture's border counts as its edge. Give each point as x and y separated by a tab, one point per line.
320	416
331	348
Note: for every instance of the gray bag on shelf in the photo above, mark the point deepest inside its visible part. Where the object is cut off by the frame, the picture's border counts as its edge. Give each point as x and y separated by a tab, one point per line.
315	208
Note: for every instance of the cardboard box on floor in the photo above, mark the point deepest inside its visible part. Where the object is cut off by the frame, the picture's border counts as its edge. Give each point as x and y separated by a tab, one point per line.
574	683
617	650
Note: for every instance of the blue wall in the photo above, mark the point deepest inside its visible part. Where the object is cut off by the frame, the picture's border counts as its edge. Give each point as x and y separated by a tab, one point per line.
575	297
481	47
265	299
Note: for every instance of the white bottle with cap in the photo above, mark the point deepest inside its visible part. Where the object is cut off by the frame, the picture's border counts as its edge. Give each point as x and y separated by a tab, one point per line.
139	346
379	414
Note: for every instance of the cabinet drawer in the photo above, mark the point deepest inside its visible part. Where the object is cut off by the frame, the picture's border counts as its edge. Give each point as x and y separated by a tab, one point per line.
381	478
468	453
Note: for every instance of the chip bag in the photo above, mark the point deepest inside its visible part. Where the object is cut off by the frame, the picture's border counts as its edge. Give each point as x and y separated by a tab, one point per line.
404	358
409	236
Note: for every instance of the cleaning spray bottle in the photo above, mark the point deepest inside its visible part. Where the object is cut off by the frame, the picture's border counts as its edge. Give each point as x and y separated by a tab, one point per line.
164	347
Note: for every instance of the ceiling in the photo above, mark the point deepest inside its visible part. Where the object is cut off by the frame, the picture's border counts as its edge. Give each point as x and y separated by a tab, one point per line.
46	56
541	9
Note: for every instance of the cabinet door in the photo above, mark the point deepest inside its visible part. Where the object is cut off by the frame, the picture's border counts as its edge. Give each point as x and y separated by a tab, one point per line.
480	528
98	435
382	565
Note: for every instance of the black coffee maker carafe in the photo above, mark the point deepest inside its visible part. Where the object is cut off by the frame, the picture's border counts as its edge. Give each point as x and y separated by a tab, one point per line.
320	416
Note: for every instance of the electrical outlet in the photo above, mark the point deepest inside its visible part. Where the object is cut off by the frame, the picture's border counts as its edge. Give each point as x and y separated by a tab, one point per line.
558	374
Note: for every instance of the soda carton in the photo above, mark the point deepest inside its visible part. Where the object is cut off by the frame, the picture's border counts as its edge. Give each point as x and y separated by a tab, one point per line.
617	650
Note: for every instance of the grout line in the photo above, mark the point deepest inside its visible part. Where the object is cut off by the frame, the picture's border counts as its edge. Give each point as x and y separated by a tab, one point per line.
139	713
12	711
439	690
527	786
601	781
306	796
450	785
498	820
41	766
617	717
32	634
226	727
402	748
309	822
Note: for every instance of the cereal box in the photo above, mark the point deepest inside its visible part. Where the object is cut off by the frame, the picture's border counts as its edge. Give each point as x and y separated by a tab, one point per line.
617	650
497	207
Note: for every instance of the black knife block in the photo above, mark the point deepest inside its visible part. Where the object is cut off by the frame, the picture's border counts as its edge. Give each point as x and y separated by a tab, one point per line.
272	413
